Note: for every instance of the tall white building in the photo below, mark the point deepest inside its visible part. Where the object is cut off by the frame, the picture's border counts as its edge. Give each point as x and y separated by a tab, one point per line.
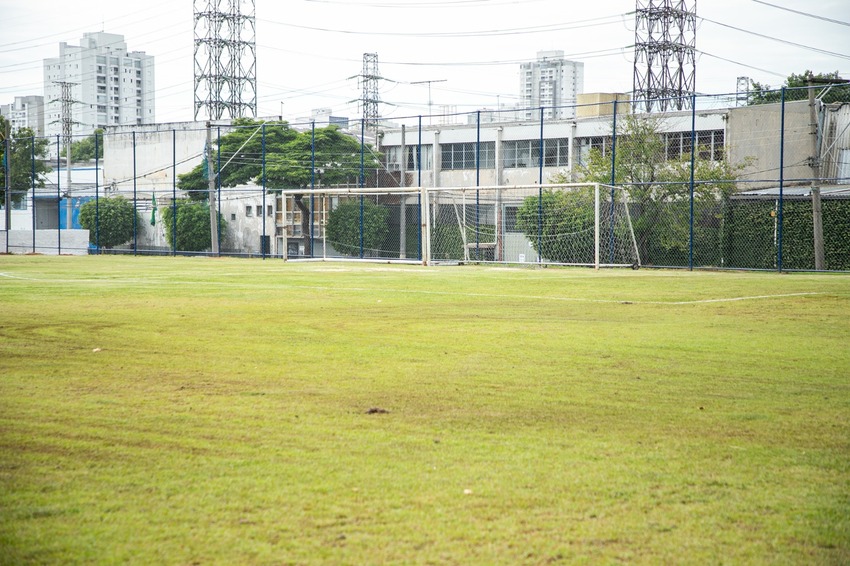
551	82
25	112
110	86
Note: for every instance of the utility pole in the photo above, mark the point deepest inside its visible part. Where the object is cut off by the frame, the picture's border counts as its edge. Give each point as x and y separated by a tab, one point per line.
212	180
67	132
817	209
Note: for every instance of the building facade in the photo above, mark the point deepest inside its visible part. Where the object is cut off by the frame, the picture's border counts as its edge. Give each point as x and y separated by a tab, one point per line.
25	112
109	85
550	82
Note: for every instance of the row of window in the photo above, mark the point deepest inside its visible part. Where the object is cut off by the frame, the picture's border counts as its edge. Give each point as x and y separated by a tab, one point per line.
459	156
526	153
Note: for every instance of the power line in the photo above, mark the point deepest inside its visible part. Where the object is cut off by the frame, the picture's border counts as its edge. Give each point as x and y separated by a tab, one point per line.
785	41
807	14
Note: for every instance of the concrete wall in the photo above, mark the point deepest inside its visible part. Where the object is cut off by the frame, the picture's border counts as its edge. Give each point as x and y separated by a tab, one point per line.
48	242
158	147
753	135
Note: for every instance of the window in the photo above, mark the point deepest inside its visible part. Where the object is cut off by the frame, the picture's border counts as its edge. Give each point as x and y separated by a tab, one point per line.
269	210
463	155
259	211
249	210
232	216
556	153
521	153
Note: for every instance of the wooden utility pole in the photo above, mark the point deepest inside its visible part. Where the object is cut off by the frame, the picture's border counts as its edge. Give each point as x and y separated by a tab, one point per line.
817	210
211	186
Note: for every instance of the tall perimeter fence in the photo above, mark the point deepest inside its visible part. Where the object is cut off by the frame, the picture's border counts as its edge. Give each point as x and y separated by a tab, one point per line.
753	181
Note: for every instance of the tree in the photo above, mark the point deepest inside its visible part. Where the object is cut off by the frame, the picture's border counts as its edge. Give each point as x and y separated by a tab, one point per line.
659	191
344	226
21	163
109	221
565	213
796	89
193	226
83	150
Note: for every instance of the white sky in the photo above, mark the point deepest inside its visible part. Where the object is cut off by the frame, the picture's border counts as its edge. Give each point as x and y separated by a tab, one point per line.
307	50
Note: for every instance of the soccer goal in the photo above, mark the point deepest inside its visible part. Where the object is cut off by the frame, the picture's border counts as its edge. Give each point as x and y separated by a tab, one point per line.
584	224
565	224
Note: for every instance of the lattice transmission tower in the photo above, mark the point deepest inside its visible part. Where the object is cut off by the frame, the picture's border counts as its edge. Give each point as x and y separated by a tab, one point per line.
225	58
665	61
370	98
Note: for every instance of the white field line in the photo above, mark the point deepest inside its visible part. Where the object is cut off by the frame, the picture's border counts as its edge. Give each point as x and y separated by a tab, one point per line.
151	283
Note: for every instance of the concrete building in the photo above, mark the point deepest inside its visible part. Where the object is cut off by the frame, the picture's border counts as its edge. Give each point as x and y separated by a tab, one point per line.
551	82
25	112
110	85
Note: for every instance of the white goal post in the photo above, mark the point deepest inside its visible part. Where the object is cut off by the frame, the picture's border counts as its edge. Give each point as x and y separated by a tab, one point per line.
587	224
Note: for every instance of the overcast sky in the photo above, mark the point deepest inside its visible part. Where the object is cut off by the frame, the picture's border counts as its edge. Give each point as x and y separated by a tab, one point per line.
309	50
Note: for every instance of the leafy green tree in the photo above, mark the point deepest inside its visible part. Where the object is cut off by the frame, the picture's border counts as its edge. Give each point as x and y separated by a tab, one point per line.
659	191
21	163
795	89
84	149
109	221
193	226
344	227
289	157
565	214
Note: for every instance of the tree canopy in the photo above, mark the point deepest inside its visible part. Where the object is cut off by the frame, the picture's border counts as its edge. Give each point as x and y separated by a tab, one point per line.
109	221
84	149
288	157
796	89
344	227
658	187
27	166
193	226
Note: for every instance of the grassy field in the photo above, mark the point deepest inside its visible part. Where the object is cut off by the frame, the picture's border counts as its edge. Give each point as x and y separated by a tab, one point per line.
226	411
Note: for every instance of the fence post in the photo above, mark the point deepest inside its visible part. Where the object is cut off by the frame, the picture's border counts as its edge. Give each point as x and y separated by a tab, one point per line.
218	186
173	192
613	181
312	184
477	184
58	202
263	239
419	183
781	179
362	176
540	196
135	236
693	164
96	193
32	187
7	181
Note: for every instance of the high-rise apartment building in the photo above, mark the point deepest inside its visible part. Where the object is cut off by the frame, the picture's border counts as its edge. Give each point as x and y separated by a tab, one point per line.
109	85
25	112
551	82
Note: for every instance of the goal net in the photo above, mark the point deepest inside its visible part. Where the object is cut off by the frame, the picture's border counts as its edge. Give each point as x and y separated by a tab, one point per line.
563	224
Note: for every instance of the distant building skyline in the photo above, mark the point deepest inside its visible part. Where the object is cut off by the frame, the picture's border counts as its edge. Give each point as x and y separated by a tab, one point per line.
25	112
110	85
551	82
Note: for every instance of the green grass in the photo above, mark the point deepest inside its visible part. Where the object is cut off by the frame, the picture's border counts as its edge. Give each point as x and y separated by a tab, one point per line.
206	411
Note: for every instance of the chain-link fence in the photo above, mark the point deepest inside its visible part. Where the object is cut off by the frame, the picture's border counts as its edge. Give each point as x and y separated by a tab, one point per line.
757	180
